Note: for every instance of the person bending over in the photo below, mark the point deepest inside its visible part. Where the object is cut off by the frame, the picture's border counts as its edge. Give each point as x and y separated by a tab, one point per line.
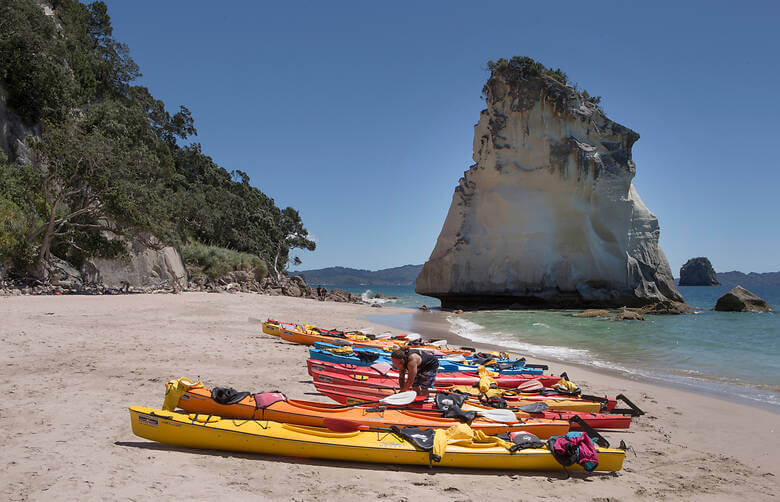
416	369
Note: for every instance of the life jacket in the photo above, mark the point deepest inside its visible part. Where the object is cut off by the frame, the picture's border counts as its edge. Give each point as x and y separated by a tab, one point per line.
567	387
449	403
574	447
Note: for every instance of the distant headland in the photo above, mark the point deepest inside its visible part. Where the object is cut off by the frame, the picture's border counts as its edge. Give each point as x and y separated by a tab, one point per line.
396	276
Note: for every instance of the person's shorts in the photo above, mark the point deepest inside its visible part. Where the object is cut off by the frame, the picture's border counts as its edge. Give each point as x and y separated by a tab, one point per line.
425	380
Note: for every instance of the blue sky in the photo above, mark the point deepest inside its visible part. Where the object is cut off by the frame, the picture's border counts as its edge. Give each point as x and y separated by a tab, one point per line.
360	114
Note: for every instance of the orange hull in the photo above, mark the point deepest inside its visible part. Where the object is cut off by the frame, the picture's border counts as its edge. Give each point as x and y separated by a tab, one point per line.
296	336
313	414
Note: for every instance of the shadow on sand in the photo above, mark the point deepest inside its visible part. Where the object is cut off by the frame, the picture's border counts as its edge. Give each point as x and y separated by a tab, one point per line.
551	476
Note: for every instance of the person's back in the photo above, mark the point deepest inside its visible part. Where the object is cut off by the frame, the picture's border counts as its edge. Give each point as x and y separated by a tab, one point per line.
417	369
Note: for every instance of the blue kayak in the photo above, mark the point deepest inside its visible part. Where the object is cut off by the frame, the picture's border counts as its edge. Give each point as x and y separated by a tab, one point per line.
367	357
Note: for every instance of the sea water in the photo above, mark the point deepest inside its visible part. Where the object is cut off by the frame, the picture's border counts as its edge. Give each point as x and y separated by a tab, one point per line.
732	354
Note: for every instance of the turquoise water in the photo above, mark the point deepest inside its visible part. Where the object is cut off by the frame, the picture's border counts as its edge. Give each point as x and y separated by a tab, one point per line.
736	355
405	295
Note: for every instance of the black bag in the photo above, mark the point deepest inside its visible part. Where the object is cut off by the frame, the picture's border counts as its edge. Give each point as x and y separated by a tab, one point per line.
366	356
493	402
227	395
449	403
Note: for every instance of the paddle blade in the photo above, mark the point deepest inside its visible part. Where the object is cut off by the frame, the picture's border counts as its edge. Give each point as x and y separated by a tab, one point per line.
400	399
439	343
498	415
341	425
413	337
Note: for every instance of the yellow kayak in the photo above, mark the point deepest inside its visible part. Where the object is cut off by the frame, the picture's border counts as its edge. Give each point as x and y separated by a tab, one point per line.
271	327
272	438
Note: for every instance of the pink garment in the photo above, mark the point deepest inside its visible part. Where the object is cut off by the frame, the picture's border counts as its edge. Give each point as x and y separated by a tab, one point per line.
588	456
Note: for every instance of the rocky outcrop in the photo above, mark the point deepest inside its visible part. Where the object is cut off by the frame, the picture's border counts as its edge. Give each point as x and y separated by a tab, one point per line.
740	299
698	272
13	133
547	216
592	313
148	266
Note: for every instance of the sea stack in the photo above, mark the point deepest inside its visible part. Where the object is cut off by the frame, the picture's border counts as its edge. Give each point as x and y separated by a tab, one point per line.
698	272
547	216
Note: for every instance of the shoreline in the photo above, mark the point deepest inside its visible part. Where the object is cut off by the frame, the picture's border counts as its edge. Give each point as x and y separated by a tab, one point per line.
73	364
435	323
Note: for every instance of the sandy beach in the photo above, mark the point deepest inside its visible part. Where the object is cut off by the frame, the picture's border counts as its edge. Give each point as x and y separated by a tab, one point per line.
71	365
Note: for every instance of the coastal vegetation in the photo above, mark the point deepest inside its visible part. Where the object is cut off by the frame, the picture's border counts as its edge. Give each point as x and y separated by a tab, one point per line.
523	67
215	262
109	158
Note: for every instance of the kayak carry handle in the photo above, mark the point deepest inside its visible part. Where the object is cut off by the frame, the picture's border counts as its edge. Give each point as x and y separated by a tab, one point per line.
590	431
632	409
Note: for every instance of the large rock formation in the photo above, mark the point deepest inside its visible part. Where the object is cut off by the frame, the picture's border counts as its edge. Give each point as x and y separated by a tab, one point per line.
740	299
548	215
698	272
13	133
148	265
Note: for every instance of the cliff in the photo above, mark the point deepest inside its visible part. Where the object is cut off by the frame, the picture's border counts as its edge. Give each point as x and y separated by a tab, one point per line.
547	215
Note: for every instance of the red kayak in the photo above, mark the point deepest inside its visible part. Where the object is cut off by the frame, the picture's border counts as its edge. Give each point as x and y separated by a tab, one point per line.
356	395
329	370
383	374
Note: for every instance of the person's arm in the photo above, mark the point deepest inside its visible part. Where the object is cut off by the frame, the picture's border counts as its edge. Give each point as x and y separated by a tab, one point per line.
401	378
412	368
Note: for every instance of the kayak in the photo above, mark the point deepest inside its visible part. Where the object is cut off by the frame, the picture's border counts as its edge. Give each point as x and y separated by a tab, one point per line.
310	413
379	392
271	327
367	356
388	375
306	335
445	366
289	440
356	396
310	337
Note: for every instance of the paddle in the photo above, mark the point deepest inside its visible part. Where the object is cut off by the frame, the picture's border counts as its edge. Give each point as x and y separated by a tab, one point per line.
399	399
498	415
342	425
439	343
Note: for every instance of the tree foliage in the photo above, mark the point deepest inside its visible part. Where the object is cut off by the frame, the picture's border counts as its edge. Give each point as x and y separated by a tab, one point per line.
110	155
524	67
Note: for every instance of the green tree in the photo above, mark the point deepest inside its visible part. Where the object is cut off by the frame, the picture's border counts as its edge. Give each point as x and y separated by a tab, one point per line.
290	234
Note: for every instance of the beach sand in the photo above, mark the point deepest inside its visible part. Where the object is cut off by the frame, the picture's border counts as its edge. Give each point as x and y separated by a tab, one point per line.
71	365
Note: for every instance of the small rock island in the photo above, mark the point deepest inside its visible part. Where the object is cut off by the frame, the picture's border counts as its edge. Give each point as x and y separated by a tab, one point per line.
698	272
740	299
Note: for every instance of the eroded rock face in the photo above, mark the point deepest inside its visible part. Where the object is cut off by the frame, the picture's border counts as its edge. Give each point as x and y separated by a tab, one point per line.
148	266
13	133
547	215
698	272
740	299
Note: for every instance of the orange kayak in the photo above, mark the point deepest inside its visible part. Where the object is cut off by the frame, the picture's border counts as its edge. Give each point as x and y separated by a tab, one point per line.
310	337
313	414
